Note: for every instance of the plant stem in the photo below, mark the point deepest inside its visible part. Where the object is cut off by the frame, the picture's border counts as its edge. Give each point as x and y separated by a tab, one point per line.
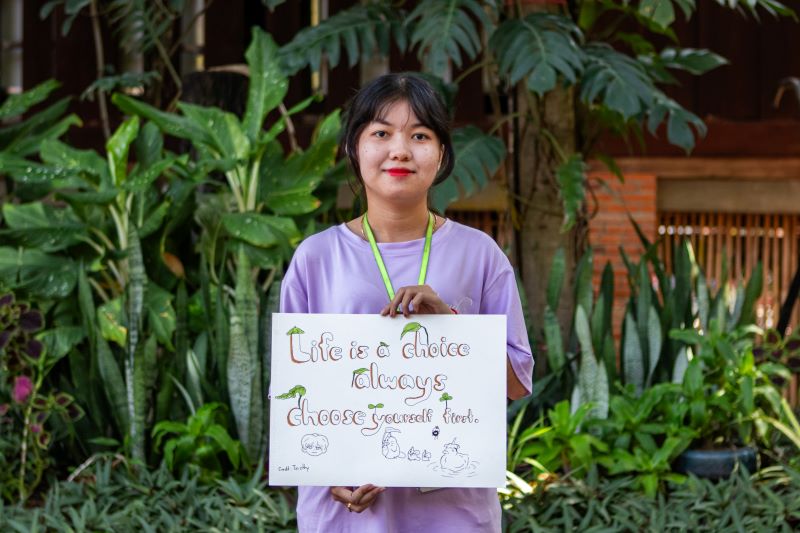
100	64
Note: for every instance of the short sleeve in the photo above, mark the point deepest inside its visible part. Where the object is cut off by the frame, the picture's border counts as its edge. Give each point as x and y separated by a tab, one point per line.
294	296
501	297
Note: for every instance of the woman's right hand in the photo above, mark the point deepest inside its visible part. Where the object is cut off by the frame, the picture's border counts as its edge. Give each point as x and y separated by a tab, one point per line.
356	500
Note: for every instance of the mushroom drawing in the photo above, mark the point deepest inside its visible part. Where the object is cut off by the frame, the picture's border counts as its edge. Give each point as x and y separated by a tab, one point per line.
445	398
415	327
297	390
294	331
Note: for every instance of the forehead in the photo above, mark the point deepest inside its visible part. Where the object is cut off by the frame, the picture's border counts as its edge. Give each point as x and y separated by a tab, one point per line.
397	113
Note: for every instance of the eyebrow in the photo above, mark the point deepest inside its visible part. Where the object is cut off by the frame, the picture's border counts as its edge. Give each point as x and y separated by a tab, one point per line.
413	126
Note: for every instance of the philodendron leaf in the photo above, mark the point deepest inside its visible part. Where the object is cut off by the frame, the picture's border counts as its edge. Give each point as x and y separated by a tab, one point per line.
359	371
571	177
295	331
411	326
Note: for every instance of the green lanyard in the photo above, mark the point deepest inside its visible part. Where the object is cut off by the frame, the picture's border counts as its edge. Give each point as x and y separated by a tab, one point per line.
426	253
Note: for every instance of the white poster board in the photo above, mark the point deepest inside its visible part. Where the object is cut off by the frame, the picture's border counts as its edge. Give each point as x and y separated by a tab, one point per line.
395	402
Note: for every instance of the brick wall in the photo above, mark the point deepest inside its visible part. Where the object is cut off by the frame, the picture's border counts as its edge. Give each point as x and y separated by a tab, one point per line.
611	228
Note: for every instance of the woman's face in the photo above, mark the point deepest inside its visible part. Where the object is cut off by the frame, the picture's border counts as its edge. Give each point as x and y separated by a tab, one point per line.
398	157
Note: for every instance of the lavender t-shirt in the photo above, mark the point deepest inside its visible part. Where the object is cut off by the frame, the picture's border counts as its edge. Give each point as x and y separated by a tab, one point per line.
335	272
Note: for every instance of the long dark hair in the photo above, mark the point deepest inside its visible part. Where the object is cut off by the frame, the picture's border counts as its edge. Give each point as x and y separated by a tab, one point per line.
372	101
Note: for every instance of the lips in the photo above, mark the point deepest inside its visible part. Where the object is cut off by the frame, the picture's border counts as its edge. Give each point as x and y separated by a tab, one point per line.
398	172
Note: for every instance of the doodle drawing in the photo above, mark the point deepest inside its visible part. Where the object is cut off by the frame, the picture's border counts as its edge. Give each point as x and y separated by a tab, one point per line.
390	448
314	444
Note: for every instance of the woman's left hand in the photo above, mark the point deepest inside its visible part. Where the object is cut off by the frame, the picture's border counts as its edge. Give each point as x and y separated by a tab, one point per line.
421	297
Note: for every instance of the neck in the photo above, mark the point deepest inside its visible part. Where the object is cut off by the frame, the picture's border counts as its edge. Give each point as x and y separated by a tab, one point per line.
398	225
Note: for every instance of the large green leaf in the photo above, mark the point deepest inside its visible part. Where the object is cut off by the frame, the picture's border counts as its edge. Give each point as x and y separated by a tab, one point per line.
592	377
553	341
555	281
444	30
31	137
632	356
62	155
363	30
160	313
117	149
17	104
143	177
478	156
539	47
681	123
29	172
225	137
59	340
170	123
37	225
692	60
268	84
571	176
616	80
260	230
287	187
43	275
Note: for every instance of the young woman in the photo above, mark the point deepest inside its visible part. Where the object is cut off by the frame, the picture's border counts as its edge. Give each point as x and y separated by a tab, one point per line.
397	140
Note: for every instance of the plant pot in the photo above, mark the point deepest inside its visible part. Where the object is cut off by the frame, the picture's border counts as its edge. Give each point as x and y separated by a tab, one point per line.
715	464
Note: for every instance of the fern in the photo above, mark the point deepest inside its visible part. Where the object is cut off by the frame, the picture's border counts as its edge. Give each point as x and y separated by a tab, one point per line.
539	47
443	29
478	156
362	30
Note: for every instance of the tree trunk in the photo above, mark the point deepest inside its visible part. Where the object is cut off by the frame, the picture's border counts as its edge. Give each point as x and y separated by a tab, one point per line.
539	206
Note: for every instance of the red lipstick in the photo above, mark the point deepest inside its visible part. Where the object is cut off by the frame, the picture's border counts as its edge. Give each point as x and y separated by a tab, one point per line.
397	172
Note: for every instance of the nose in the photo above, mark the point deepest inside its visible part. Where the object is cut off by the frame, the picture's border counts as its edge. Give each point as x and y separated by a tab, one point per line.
399	150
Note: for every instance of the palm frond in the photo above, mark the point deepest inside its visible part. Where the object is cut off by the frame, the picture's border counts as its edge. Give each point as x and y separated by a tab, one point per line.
363	30
478	156
539	48
444	30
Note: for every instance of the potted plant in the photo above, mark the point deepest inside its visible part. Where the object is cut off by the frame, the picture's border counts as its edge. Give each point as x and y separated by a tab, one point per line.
732	401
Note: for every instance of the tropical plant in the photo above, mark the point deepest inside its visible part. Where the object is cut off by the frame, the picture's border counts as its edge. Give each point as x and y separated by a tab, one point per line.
763	501
249	228
731	400
572	71
110	494
557	443
645	433
202	442
32	415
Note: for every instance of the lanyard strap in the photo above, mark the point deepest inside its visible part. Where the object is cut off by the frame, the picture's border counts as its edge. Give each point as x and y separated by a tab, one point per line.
426	253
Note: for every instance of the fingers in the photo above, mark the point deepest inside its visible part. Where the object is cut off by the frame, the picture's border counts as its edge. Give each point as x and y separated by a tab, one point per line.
415	299
356	500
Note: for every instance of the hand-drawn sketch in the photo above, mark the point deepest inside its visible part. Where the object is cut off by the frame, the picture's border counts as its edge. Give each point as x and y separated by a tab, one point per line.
297	390
445	398
435	432
314	444
390	448
452	459
454	463
418	455
416	327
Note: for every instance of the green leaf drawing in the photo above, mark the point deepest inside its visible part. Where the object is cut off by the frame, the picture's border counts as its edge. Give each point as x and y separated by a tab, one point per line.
295	331
379	406
294	391
359	371
411	326
370	406
445	397
375	406
383	344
